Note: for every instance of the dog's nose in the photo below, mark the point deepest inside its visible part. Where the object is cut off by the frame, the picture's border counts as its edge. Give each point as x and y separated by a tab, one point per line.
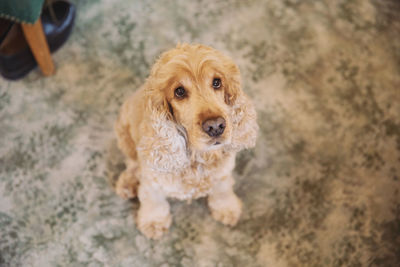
214	127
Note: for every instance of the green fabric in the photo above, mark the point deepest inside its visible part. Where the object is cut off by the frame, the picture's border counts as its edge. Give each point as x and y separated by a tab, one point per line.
27	11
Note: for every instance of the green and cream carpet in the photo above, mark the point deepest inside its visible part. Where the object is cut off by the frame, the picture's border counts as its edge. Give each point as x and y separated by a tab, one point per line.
320	189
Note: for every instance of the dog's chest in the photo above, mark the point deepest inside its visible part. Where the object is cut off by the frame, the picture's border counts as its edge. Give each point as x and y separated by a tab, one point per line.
198	179
193	182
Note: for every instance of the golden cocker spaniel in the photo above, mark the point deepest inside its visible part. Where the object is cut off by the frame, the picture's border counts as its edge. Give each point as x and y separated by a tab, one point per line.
180	133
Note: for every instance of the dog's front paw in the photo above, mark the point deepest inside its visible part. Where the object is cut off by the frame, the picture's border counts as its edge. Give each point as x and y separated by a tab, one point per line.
226	209
153	227
127	185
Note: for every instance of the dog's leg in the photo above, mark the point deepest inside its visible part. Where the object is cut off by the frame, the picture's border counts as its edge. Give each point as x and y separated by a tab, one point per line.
225	206
154	217
128	182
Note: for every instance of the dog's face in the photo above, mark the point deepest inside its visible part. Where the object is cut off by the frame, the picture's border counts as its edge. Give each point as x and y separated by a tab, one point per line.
197	102
197	86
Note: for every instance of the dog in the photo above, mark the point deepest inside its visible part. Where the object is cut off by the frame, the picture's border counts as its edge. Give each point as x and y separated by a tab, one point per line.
180	133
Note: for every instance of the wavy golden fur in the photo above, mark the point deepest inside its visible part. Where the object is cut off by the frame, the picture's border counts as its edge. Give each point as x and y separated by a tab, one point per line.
169	152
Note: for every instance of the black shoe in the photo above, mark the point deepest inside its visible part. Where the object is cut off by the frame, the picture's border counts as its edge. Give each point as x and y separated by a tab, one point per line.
16	59
57	20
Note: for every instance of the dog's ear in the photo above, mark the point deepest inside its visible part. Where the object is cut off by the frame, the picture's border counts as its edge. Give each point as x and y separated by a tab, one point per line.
163	145
244	123
243	114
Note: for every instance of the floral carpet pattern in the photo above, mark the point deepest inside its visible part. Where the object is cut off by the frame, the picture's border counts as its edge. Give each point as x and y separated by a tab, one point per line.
320	189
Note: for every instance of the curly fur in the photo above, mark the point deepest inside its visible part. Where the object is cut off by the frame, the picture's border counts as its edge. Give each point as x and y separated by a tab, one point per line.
168	154
165	149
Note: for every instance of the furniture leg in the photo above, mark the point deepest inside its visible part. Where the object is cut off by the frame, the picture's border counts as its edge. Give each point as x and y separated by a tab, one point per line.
37	42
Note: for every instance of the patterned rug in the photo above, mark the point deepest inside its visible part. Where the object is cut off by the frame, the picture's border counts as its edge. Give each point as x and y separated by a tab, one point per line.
320	189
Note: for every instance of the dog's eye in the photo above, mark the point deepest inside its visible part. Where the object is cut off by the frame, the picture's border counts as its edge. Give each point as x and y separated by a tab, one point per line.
180	92
216	84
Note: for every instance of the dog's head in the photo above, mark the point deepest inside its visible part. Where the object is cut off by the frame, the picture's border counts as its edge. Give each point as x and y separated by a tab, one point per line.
196	89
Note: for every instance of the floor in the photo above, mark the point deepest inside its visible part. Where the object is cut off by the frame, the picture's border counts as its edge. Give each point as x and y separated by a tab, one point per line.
320	189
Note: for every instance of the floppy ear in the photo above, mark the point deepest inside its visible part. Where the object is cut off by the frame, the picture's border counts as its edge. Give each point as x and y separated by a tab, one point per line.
243	114
163	144
244	123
